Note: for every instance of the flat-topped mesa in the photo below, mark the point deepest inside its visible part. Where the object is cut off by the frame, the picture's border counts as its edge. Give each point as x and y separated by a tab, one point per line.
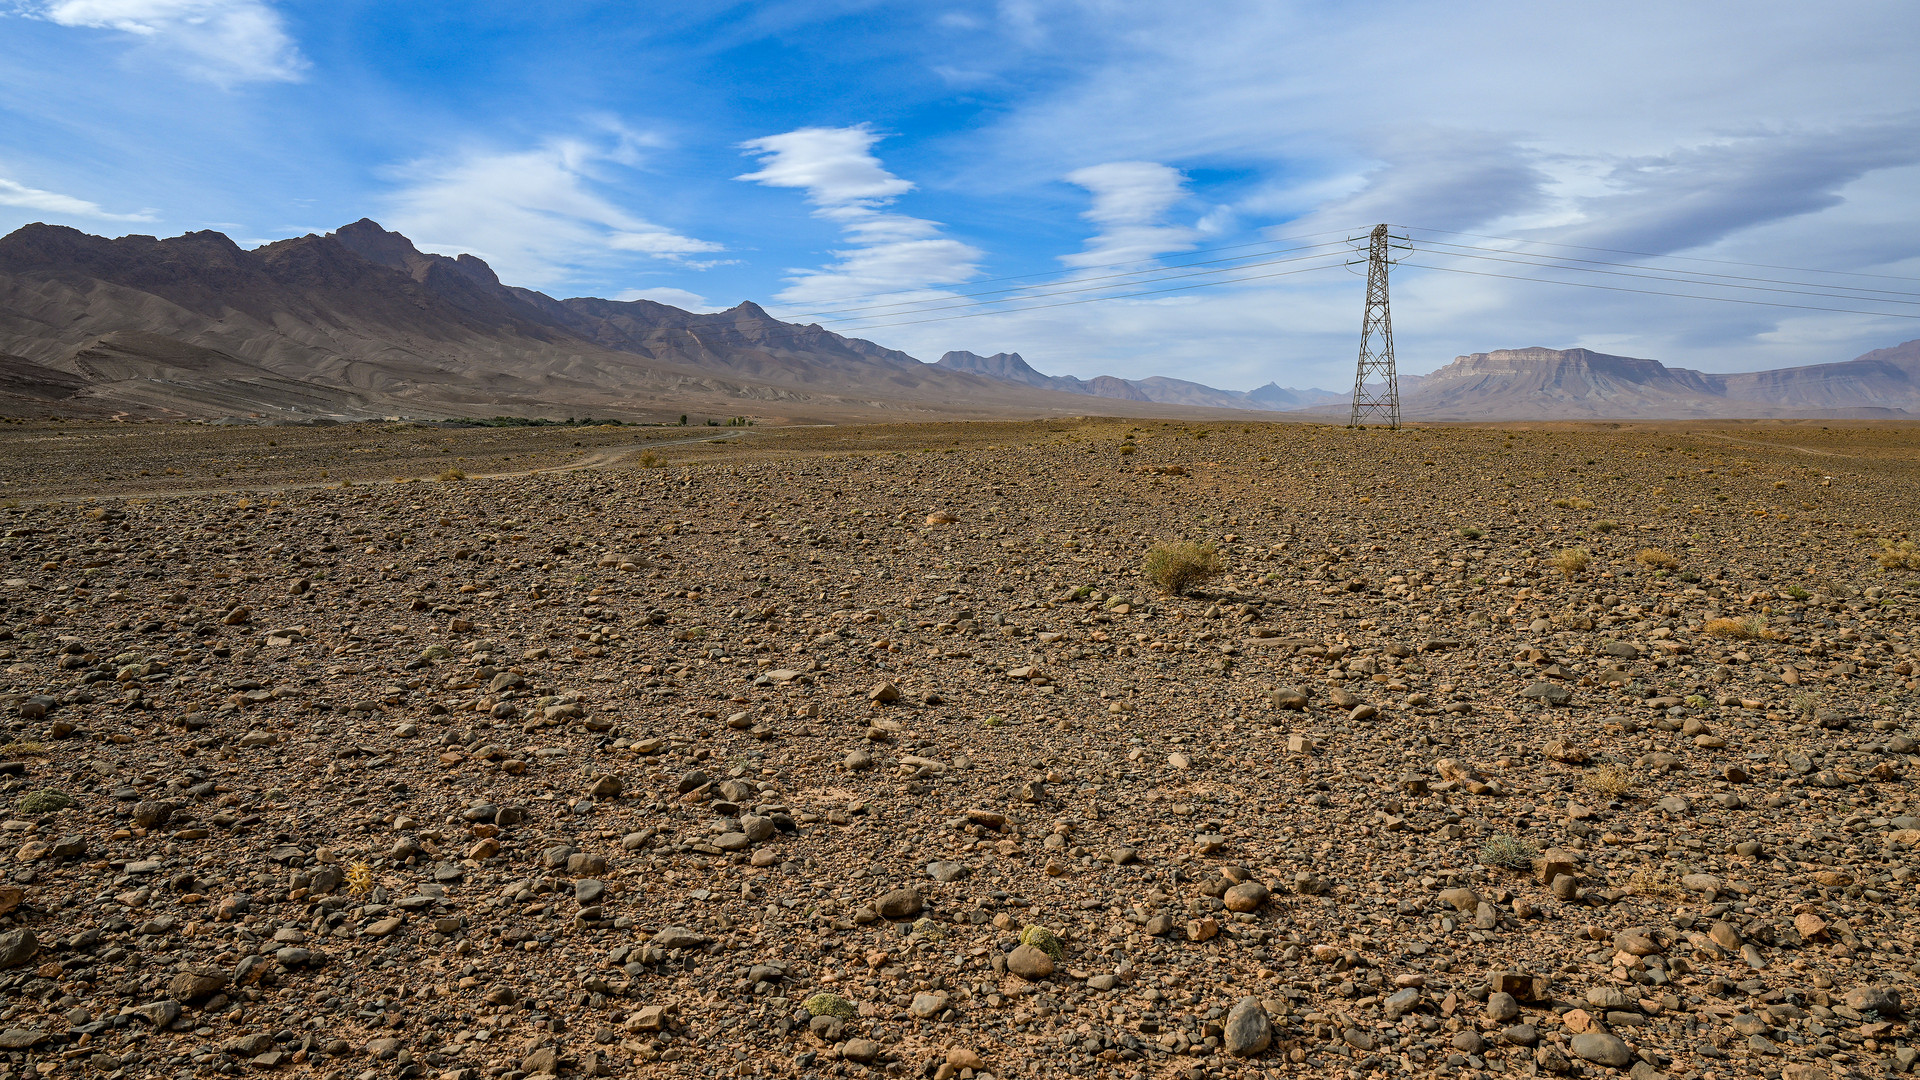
1563	366
1571	384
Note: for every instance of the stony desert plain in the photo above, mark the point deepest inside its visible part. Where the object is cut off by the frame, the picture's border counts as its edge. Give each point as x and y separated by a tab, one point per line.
400	750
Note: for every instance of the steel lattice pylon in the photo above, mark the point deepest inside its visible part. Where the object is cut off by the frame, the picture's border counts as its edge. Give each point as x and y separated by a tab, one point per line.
1376	340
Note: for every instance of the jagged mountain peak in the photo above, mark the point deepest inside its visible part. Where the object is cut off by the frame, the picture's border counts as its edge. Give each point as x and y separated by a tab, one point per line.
1005	366
371	241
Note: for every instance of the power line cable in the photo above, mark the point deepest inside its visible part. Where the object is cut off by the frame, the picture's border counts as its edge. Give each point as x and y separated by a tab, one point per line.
1656	292
1054	286
1042	294
1098	266
1691	274
1097	299
1013	301
1678	280
1655	255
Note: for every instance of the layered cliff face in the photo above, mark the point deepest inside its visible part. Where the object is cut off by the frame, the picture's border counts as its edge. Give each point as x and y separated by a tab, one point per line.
1888	378
1568	384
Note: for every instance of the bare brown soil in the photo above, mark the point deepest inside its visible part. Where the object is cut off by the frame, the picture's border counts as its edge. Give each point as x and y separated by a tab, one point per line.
596	764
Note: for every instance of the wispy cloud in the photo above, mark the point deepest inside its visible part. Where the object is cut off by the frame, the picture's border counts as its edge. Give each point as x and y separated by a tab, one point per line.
1698	195
224	41
891	253
538	215
1130	204
13	193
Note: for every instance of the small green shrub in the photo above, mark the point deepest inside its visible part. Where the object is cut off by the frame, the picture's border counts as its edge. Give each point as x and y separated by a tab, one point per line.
1508	852
824	1004
1177	567
44	801
1045	940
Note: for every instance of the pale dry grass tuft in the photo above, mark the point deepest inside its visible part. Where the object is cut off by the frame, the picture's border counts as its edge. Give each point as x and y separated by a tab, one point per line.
1611	779
1897	556
1655	882
1179	566
1656	559
1571	561
1747	628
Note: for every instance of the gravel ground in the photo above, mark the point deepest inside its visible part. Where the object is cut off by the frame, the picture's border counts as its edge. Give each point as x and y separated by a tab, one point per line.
870	751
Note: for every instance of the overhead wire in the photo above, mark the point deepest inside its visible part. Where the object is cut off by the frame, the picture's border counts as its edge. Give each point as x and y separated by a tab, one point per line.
1098	266
1159	272
1120	296
1041	294
1660	292
1725	281
1657	255
948	306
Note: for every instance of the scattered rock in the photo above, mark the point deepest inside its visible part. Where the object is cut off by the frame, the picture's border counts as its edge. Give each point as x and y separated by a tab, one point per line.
1247	1031
1029	963
1602	1049
900	904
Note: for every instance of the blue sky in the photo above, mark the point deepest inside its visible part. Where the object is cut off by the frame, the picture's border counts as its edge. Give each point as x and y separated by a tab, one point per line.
799	153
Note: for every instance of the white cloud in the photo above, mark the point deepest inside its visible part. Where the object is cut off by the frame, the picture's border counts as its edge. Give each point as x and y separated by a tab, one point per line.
13	193
893	254
1783	137
1130	204
224	41
680	298
538	216
835	166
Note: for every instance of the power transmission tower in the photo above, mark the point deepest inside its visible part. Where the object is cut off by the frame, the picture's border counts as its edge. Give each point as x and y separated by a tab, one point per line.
1376	338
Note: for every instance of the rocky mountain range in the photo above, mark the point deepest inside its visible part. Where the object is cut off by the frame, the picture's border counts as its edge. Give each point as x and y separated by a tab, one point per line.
1011	367
359	323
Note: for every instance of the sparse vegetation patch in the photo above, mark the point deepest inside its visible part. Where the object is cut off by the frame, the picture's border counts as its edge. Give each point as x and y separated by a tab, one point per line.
1179	566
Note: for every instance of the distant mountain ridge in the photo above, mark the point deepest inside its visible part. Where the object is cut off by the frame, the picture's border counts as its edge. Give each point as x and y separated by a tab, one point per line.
1012	368
360	323
1580	384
